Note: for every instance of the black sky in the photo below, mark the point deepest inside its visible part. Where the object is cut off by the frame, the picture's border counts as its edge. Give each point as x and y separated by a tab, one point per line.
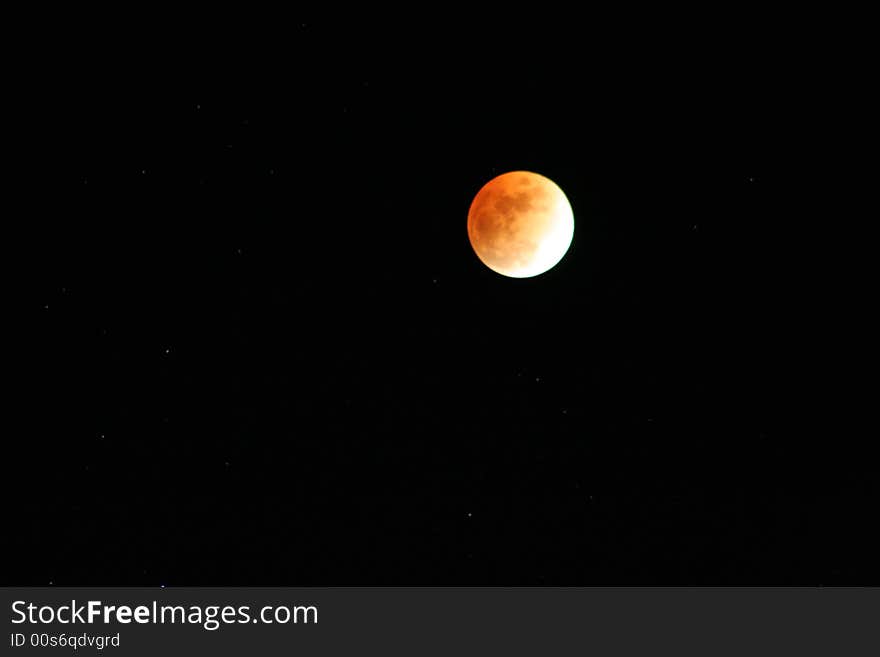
264	352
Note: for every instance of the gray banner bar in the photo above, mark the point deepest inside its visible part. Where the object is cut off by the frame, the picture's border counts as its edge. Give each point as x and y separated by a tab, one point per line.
441	621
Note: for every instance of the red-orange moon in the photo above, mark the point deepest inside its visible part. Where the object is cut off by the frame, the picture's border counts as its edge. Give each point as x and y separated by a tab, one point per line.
520	224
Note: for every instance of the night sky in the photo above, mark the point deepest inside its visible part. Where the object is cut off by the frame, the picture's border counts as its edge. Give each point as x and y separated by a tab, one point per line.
264	352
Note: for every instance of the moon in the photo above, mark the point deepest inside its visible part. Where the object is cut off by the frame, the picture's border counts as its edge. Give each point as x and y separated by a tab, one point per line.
520	224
